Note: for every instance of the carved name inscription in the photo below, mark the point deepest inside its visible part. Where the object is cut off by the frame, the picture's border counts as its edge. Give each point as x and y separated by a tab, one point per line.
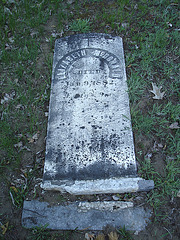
67	61
89	129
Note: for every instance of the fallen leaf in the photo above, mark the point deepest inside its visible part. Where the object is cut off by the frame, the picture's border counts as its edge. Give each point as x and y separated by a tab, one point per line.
125	25
4	228
7	46
11	39
47	40
20	144
34	138
26	148
135	6
174	125
55	34
100	237
89	236
148	156
157	92
30	140
19	106
8	97
113	236
33	33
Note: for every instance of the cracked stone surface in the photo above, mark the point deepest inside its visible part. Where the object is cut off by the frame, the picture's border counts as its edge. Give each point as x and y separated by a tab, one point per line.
85	215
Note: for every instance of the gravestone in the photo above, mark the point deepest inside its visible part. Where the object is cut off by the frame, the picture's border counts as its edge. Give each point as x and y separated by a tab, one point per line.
89	146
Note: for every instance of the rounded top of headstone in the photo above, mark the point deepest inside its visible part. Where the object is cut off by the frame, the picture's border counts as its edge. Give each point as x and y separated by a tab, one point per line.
98	36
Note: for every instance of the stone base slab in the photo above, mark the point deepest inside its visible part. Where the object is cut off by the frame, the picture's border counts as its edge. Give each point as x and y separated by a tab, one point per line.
85	215
113	185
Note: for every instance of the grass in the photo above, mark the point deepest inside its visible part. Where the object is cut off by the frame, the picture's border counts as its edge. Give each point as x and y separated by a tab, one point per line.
124	234
80	25
40	233
150	34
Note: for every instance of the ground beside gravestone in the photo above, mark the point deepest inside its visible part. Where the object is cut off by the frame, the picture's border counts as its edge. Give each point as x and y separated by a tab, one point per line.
149	31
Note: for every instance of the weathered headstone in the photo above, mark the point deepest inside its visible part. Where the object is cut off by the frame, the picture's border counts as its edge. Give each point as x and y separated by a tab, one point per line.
89	146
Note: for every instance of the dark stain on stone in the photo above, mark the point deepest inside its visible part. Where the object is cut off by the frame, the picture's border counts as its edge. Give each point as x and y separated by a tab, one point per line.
101	65
77	96
98	170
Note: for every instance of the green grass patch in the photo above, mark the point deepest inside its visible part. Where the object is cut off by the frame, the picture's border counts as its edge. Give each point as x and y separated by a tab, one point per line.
80	25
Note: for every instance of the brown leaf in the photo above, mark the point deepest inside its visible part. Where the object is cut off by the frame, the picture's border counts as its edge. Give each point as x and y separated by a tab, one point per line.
157	92
113	236
34	138
100	237
174	125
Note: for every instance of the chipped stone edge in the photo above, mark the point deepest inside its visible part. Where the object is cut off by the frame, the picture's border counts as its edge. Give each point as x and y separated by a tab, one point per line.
100	186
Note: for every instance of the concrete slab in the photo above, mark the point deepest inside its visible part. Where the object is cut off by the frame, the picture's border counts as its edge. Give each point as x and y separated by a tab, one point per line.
85	215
